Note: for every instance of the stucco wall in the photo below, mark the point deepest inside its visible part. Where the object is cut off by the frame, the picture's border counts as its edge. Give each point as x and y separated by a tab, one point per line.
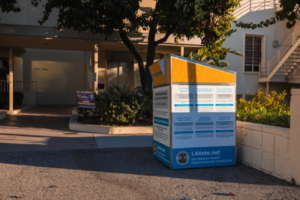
248	81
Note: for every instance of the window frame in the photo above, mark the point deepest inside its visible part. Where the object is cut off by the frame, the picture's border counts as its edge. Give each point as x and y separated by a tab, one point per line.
263	41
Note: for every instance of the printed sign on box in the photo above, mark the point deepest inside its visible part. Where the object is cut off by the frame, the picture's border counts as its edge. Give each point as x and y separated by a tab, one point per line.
86	99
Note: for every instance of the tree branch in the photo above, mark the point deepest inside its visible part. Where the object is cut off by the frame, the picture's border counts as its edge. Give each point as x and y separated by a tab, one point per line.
129	45
136	55
168	33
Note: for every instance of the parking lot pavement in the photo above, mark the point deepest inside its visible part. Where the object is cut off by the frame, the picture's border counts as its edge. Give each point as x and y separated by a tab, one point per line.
120	141
128	173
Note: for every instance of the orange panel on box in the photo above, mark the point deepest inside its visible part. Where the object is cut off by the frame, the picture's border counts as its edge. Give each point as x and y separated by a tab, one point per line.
159	79
186	72
155	68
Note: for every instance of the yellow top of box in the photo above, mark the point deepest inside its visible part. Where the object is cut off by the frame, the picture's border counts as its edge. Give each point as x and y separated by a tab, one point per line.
176	69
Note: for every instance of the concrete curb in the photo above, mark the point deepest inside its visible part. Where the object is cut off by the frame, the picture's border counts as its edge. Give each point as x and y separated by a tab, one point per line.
17	111
74	126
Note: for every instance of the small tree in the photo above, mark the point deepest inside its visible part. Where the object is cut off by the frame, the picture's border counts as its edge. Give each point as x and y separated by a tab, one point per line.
213	53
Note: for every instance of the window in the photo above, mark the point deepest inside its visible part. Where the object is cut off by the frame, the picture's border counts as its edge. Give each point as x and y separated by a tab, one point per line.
252	54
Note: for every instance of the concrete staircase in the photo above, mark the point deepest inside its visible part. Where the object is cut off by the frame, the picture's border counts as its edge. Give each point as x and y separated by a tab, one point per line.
285	65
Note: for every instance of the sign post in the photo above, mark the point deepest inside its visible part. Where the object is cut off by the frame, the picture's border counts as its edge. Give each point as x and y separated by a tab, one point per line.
193	113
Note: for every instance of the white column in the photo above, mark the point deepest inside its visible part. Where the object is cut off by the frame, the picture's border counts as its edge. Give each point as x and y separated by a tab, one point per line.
182	51
294	149
11	80
95	69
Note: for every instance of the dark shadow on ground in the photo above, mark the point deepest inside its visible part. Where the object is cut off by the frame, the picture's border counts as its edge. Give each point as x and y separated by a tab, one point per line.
135	161
46	117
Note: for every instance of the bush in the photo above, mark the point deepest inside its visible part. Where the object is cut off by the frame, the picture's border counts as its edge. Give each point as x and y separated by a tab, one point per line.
4	99
269	109
117	106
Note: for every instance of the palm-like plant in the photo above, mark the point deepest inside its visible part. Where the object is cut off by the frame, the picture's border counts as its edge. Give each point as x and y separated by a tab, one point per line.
213	53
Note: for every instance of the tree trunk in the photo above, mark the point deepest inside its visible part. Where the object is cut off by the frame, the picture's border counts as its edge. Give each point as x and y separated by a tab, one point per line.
150	57
136	55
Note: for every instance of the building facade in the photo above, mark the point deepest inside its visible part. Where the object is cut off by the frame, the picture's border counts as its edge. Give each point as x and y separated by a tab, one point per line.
49	66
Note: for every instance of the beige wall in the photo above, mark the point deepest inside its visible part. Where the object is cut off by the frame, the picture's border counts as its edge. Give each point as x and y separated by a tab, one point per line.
264	147
274	150
294	151
58	74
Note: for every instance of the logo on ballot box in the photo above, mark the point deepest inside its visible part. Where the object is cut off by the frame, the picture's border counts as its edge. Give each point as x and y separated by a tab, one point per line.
182	158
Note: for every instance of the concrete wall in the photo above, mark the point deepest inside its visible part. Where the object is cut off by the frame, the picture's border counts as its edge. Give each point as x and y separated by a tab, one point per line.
58	74
295	136
274	150
265	148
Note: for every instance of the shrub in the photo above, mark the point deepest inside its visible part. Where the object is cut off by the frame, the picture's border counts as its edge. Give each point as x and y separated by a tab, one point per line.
269	109
4	99
117	106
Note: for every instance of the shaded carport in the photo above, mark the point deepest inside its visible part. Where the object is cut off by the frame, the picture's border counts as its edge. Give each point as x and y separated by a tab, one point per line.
41	37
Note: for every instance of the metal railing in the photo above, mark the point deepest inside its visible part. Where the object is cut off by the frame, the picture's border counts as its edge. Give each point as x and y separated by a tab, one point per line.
4	86
251	6
267	67
26	86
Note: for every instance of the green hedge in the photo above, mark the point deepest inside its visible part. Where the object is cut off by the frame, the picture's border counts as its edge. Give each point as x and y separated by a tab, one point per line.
4	99
262	108
118	106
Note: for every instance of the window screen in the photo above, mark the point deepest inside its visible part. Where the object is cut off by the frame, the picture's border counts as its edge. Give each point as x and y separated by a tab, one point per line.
252	54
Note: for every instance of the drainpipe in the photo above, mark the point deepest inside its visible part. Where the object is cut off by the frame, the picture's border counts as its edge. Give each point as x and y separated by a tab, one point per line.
11	80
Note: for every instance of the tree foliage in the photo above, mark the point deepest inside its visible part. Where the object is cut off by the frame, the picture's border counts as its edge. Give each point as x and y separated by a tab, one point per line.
289	10
205	19
9	6
214	52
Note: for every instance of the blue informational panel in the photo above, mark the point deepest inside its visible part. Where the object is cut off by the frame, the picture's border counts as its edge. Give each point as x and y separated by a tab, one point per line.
194	125
161	124
203	125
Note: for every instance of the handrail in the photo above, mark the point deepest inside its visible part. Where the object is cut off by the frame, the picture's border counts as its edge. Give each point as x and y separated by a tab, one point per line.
268	66
28	86
251	6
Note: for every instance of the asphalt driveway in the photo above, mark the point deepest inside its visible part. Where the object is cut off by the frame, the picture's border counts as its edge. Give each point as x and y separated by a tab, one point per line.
41	159
128	173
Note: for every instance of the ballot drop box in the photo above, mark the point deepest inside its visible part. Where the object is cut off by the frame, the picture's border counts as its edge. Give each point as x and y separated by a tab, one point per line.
194	113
